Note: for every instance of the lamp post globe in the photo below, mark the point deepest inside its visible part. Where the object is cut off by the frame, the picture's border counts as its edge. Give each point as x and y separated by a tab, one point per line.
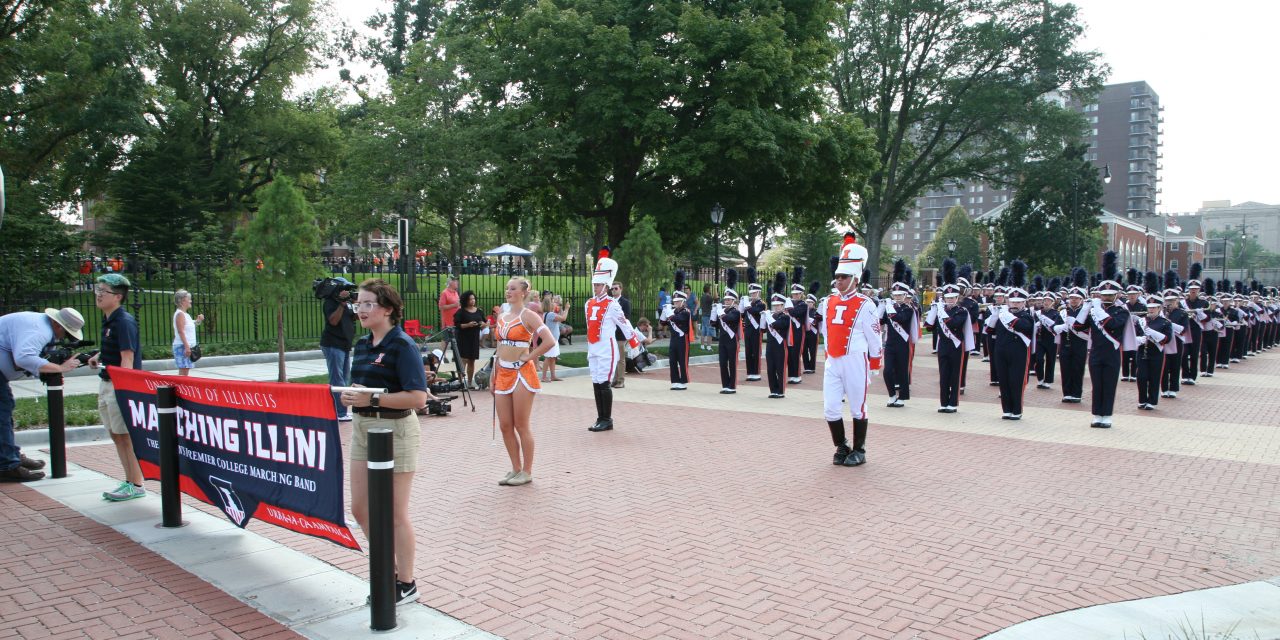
717	215
951	248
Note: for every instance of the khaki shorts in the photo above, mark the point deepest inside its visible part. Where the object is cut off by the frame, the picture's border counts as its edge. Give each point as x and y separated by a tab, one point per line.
404	440
109	409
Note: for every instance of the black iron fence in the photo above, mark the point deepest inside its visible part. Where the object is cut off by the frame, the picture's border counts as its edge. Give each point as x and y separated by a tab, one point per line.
233	326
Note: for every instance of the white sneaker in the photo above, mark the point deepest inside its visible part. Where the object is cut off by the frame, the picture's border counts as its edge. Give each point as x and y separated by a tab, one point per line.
752	378
1173	394
1106	420
1044	385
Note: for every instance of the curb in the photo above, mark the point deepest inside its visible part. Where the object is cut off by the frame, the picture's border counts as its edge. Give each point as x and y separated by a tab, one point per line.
215	361
75	435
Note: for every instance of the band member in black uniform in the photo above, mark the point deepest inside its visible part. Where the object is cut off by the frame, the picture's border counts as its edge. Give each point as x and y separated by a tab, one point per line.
969	300
1196	308
1154	333
1169	382
812	327
1014	330
1212	329
999	301
1073	344
1240	341
937	295
1112	333
988	299
900	337
955	329
680	321
1046	354
1133	293
728	321
751	309
1230	320
777	323
799	312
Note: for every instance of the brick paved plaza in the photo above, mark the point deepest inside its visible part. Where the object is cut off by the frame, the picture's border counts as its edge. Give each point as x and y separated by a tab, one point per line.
713	516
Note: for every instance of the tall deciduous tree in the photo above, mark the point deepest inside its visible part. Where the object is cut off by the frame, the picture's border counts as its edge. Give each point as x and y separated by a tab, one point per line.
954	90
604	110
958	226
642	266
1052	221
278	249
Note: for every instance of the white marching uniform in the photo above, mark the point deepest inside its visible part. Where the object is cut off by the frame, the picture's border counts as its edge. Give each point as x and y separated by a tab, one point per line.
604	315
851	330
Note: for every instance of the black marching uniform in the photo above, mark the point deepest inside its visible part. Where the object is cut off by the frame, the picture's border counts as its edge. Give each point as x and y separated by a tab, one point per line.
1198	311
729	328
1173	361
950	354
778	329
1129	361
1073	354
1046	355
1151	359
1209	341
751	330
899	318
809	357
1104	356
1230	317
681	324
1013	337
799	313
971	305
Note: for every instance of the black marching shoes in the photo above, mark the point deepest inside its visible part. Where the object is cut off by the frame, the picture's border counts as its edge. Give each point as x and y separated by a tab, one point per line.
859	455
604	407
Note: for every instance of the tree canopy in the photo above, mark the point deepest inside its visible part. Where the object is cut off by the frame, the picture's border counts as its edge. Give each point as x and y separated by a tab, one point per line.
1052	220
958	226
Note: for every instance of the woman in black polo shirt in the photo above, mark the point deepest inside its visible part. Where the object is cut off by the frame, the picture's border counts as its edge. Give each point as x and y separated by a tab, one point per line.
386	358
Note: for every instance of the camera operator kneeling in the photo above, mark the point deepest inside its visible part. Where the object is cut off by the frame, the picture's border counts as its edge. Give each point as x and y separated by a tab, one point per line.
386	358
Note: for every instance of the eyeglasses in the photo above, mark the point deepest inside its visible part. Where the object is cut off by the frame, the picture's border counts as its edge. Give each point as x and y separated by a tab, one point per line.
366	306
99	292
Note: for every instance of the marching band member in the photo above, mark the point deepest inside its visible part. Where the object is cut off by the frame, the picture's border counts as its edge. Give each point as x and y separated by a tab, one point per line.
1014	331
969	299
1137	307
680	320
604	316
1073	352
900	342
1179	318
1155	334
951	321
1230	320
812	327
852	335
752	308
1213	328
799	312
729	324
1047	340
1196	308
777	324
1112	334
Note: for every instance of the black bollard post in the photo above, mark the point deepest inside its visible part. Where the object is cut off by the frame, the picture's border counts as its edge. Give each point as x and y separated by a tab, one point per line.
170	493
382	549
57	426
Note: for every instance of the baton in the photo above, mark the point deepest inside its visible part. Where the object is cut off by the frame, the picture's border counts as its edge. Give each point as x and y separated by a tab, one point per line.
356	390
493	395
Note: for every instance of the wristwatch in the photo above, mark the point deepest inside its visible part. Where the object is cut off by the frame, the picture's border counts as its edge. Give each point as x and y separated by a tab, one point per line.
374	400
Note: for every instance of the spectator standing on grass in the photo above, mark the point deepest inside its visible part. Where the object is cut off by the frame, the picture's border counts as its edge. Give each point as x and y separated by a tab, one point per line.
120	347
387	358
553	314
23	337
184	332
469	320
448	305
335	344
704	308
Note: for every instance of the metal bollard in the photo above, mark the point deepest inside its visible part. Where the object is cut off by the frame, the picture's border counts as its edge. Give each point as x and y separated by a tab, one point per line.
170	491
57	426
382	544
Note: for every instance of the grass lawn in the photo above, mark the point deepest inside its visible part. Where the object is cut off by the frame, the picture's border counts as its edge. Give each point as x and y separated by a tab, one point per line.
579	358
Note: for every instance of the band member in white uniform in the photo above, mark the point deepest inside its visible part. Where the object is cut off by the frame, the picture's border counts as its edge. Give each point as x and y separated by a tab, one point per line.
851	329
604	315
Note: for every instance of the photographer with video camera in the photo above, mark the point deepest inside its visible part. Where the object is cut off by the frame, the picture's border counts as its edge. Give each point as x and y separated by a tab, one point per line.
28	347
339	332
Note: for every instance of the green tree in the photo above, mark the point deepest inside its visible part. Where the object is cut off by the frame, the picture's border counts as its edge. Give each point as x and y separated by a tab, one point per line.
811	246
219	104
599	109
1246	253
1052	221
958	226
955	91
277	250
642	265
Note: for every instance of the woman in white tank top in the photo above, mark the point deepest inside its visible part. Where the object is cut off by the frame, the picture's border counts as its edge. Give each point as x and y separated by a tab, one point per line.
184	331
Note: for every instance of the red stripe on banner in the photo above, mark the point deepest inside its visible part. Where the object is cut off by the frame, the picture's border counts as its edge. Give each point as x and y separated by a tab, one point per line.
295	521
304	400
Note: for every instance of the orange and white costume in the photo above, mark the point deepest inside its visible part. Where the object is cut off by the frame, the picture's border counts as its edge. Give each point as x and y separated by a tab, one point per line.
512	332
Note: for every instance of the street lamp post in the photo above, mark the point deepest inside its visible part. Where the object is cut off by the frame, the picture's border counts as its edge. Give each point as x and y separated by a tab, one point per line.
717	214
1075	206
1244	238
951	248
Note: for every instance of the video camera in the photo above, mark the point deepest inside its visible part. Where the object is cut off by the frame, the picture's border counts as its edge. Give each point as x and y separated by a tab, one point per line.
60	352
329	288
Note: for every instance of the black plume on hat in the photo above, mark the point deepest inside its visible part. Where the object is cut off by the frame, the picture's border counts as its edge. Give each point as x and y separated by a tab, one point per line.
731	278
797	276
751	275
1097	278
1210	287
813	287
899	270
1151	284
1079	278
866	275
1239	287
1018	273
679	282
835	262
1196	270
1224	286
966	272
1109	269
1003	279
1131	276
910	278
780	282
1170	279
1055	283
991	277
1037	283
937	278
948	271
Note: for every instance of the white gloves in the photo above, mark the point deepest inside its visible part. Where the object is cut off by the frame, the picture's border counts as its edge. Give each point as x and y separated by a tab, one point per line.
1046	321
1061	328
1154	335
1098	314
667	312
1006	317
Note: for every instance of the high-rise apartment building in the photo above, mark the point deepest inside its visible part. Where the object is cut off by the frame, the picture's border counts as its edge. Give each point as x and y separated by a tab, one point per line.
1123	133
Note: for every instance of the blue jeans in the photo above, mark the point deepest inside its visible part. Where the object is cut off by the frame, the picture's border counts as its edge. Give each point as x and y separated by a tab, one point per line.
338	362
9	453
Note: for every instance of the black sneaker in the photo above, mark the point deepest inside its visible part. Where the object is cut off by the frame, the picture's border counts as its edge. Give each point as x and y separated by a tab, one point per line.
406	592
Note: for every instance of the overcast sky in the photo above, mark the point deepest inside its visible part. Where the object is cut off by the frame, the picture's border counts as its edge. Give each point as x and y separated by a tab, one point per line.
1213	66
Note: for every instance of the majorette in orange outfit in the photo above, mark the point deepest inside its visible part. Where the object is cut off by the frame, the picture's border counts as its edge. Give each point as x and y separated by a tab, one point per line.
515	379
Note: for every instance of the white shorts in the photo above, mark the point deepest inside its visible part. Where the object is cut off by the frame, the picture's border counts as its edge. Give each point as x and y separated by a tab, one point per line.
554	352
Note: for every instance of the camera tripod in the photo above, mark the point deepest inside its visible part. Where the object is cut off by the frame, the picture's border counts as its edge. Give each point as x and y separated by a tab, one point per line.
450	338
